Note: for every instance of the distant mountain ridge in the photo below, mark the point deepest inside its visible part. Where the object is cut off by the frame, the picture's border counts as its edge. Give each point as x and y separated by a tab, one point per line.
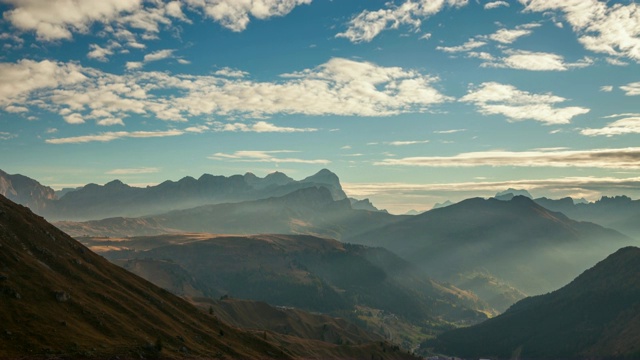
617	212
593	317
26	191
310	210
517	241
116	198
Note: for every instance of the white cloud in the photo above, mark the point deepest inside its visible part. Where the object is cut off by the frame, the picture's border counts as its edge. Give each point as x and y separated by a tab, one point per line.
625	158
57	19
232	73
74	118
133	171
426	36
495	4
568	186
159	55
631	89
616	62
627	125
499	99
134	65
199	129
18	80
264	156
110	136
508	36
109	121
535	61
609	29
6	136
606	88
453	131
16	109
369	24
184	61
99	53
469	45
259	127
404	143
338	87
234	14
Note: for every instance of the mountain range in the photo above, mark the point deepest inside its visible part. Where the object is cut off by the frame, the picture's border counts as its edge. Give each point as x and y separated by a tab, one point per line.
61	300
517	241
311	210
594	317
115	198
617	212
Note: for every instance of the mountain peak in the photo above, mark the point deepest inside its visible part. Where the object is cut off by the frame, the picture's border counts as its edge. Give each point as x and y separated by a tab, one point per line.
115	184
511	192
324	176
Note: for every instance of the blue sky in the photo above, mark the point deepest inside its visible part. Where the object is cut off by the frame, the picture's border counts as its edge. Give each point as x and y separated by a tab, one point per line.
409	102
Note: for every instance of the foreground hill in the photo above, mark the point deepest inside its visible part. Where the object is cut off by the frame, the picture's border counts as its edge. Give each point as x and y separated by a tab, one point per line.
61	300
311	210
306	272
258	315
518	242
595	316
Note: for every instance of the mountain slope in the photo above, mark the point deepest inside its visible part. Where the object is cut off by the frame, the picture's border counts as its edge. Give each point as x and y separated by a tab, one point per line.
60	298
259	315
595	316
516	241
311	210
301	271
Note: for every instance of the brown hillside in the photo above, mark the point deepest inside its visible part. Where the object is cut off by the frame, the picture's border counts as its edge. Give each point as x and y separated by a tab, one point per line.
58	299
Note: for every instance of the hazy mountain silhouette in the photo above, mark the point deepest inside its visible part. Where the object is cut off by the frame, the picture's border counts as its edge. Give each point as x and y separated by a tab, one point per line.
511	192
517	241
439	205
364	204
116	199
26	191
618	212
595	316
311	210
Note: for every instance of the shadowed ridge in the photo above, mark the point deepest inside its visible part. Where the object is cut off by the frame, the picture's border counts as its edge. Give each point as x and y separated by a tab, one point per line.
595	316
59	298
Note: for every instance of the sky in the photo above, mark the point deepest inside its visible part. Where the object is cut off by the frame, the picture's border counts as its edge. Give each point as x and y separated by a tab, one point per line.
409	102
